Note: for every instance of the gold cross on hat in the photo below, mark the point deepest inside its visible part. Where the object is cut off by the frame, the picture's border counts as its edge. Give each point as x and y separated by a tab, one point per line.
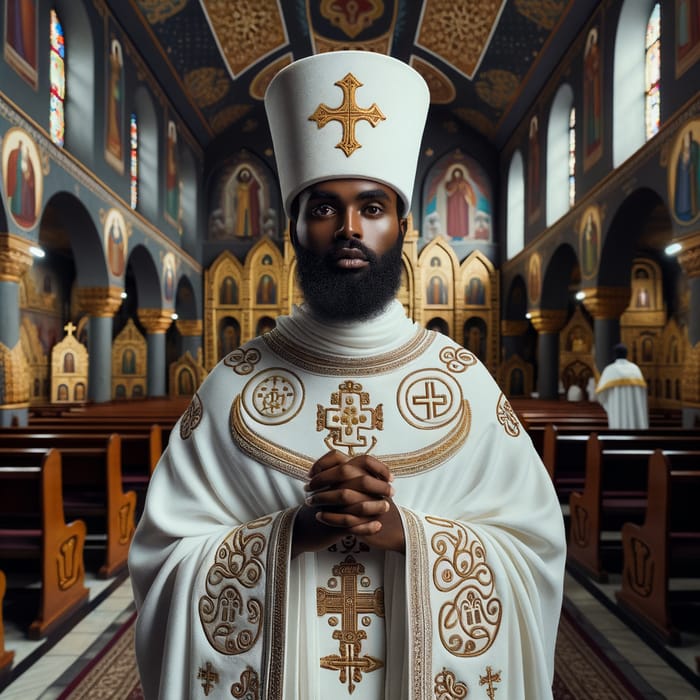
348	114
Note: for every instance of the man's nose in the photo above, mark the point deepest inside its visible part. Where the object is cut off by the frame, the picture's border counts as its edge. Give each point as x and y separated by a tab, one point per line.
350	226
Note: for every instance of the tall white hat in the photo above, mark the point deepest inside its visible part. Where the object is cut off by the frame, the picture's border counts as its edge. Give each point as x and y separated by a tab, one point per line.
347	114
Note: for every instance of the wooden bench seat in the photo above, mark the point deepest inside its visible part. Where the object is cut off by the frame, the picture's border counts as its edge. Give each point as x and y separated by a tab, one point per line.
33	527
6	656
92	489
615	491
665	546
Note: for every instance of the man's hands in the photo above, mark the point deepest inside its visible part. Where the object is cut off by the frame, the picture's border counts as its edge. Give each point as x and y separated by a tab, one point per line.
348	496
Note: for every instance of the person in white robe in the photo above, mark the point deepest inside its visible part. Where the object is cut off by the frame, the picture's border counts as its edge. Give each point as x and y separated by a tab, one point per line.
622	392
349	507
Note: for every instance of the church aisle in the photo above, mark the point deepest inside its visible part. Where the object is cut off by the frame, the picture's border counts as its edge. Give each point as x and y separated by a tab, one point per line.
54	670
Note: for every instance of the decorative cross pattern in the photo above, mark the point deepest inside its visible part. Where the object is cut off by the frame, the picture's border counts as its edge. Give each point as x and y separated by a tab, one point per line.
349	603
209	676
432	400
350	416
488	680
348	114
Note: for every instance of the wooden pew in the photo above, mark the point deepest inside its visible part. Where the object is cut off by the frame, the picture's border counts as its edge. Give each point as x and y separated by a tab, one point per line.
5	655
92	489
564	450
666	545
614	493
33	526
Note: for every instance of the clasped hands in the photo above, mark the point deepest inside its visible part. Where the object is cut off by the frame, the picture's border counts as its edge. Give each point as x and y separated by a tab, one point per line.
348	496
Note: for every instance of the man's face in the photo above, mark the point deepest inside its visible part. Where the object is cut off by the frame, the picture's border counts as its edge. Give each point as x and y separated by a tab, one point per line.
348	238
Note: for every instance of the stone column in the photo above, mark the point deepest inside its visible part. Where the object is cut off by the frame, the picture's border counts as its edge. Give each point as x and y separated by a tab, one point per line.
100	304
606	305
15	260
156	322
548	323
689	260
191	337
512	333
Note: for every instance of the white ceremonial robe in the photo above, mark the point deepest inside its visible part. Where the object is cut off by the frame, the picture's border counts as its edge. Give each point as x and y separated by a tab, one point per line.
622	392
474	604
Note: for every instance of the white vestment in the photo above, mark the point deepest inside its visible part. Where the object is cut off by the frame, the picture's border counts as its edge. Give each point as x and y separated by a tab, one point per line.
622	392
473	605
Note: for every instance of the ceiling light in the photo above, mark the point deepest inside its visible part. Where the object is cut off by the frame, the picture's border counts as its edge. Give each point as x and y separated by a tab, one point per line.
580	294
123	295
174	317
36	251
672	248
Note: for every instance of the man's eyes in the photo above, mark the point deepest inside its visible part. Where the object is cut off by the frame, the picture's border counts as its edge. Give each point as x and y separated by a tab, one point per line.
322	210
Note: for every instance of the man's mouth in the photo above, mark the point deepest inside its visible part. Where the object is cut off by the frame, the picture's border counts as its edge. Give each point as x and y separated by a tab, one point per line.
349	258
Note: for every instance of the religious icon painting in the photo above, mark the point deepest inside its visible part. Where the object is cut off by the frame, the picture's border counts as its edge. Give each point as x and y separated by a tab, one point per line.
534	182
115	132
683	169
169	268
21	38
22	177
687	34
589	241
458	202
116	241
534	278
592	99
172	175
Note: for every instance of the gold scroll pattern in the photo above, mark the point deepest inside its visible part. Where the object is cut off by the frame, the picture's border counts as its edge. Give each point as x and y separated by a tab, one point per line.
191	418
231	617
506	416
447	687
469	622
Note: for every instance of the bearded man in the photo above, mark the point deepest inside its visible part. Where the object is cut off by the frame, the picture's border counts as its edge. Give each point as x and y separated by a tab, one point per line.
349	507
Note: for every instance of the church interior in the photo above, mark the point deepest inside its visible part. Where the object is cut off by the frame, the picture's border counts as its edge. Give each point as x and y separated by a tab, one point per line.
556	212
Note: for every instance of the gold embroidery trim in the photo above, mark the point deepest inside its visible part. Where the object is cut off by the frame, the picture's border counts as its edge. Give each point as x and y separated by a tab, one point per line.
297	465
447	687
505	415
328	365
420	619
192	417
469	622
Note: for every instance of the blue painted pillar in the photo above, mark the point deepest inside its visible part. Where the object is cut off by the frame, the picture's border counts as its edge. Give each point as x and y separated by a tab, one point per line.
156	322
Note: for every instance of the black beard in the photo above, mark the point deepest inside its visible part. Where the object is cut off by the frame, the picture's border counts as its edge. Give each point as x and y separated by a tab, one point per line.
349	295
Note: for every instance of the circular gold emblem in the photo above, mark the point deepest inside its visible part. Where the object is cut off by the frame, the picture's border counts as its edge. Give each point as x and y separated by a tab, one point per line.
429	398
273	396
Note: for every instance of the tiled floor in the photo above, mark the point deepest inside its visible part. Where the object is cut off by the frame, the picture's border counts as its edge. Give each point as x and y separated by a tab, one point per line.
53	670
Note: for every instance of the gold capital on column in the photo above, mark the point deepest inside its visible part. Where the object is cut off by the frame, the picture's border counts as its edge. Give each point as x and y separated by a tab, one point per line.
155	320
510	327
189	327
15	258
99	301
548	320
607	303
689	257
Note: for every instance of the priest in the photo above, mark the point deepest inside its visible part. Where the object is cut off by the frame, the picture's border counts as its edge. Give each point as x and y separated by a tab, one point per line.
349	507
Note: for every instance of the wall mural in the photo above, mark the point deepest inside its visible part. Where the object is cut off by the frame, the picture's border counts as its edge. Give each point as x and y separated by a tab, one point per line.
684	173
589	241
20	38
458	203
114	142
116	241
169	269
534	278
592	100
687	34
241	207
22	177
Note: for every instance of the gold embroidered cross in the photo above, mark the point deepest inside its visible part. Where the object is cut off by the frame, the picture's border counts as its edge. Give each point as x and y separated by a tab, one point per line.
350	417
209	676
432	400
349	603
348	114
489	679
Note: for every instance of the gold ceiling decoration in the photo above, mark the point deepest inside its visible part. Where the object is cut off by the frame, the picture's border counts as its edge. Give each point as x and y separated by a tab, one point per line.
353	17
259	84
442	89
545	13
159	10
246	31
207	85
497	87
476	119
228	116
459	33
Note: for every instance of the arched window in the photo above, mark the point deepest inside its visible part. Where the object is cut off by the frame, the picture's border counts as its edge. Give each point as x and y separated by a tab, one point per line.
559	154
57	77
652	72
515	215
134	160
572	157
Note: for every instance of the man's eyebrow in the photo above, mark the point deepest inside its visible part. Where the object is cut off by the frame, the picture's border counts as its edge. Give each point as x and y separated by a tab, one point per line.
333	196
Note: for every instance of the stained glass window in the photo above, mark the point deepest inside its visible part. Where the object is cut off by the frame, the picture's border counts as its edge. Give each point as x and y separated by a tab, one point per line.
572	157
652	70
57	76
134	160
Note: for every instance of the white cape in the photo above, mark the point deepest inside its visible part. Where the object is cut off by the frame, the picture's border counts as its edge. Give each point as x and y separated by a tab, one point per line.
622	392
474	604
